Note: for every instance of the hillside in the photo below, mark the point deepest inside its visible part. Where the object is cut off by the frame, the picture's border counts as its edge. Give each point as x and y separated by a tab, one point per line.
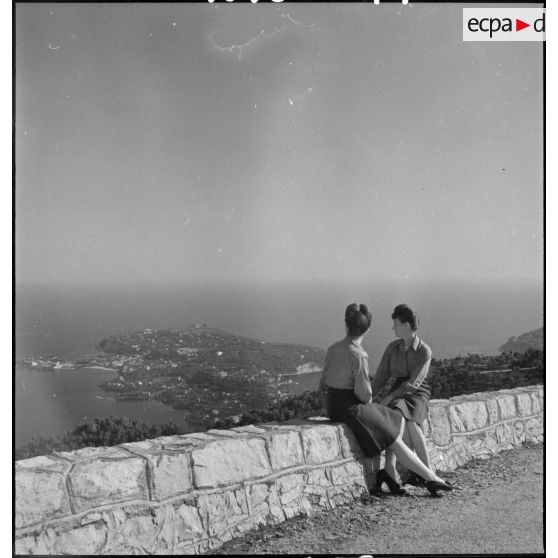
205	371
530	340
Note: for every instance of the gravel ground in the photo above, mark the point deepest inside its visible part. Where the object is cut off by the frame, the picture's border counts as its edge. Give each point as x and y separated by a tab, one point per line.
498	509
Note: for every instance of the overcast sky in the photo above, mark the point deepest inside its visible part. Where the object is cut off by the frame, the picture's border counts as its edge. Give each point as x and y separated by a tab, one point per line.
273	141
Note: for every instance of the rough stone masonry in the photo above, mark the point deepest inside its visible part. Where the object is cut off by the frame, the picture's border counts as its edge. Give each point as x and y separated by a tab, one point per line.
189	494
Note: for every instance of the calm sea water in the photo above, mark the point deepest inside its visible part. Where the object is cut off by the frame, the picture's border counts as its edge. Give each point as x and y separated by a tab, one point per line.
67	321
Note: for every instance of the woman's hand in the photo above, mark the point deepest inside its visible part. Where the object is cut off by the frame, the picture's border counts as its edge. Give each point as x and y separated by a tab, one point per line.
386	400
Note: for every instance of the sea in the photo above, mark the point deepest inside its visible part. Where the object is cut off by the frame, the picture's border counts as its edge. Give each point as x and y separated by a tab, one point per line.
68	320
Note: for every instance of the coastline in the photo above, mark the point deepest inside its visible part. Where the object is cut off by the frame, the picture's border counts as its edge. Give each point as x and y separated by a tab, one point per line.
99	367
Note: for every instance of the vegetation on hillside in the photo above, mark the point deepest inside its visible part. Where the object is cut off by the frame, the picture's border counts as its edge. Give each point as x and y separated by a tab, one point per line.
109	431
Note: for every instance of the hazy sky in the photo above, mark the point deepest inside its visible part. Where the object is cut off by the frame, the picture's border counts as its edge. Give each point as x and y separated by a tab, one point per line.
273	141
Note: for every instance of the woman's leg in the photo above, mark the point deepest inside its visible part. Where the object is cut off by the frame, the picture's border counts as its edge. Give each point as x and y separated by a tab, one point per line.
418	442
390	463
391	459
410	460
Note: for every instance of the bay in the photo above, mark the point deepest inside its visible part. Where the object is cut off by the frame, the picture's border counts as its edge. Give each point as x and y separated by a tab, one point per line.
51	401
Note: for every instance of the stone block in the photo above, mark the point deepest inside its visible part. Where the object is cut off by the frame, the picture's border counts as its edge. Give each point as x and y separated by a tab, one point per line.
320	444
506	405
40	543
224	462
40	490
257	495
483	445
225	433
250	429
505	435
346	473
524	404
222	510
435	453
101	482
264	502
133	531
439	402
463	452
320	476
349	443
197	437
187	523
533	430
89	539
285	450
519	432
439	461
468	416
170	469
290	489
440	425
91	454
339	495
283	426
315	492
492	409
178	444
536	402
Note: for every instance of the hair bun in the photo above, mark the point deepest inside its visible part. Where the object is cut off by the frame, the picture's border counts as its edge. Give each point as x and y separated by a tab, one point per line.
357	319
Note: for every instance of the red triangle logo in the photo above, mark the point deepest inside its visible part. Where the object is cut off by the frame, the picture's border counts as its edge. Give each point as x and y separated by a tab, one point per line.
519	25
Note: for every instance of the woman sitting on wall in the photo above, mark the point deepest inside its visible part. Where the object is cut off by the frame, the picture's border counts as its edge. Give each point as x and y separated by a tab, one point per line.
407	361
347	394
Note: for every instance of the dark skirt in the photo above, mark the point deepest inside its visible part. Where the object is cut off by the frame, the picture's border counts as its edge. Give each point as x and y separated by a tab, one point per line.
376	427
413	406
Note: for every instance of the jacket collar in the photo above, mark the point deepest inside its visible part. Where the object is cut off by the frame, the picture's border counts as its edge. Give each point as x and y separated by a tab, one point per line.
350	341
414	346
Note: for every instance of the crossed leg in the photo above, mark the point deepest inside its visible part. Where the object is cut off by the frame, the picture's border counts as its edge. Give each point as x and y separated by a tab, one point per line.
413	437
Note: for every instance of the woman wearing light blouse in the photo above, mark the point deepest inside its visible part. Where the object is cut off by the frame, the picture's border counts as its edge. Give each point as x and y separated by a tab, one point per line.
347	395
407	361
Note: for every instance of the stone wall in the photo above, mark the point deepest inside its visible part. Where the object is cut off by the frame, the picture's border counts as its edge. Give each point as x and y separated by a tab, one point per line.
188	494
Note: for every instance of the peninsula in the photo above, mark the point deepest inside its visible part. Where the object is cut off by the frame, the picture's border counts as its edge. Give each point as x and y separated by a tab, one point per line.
208	373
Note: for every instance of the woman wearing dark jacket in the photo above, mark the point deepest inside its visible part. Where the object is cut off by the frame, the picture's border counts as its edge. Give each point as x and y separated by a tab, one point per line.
407	361
347	394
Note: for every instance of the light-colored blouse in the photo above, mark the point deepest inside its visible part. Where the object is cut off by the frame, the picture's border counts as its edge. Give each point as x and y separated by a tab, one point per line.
397	362
346	367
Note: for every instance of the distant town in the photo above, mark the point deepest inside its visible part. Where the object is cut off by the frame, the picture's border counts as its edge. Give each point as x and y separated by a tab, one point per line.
206	372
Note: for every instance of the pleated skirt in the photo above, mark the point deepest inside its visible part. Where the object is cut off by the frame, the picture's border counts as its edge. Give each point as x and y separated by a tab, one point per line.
376	427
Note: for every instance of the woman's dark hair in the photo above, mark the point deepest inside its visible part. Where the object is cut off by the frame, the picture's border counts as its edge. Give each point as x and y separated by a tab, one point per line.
357	319
404	314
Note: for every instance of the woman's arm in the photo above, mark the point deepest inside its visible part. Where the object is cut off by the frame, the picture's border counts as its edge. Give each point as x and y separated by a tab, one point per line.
362	388
418	374
382	373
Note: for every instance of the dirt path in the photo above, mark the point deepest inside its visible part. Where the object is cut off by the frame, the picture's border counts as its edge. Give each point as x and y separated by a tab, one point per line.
499	509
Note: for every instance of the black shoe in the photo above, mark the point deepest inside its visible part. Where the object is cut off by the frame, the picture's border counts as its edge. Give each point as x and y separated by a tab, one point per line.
394	487
434	486
415	480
